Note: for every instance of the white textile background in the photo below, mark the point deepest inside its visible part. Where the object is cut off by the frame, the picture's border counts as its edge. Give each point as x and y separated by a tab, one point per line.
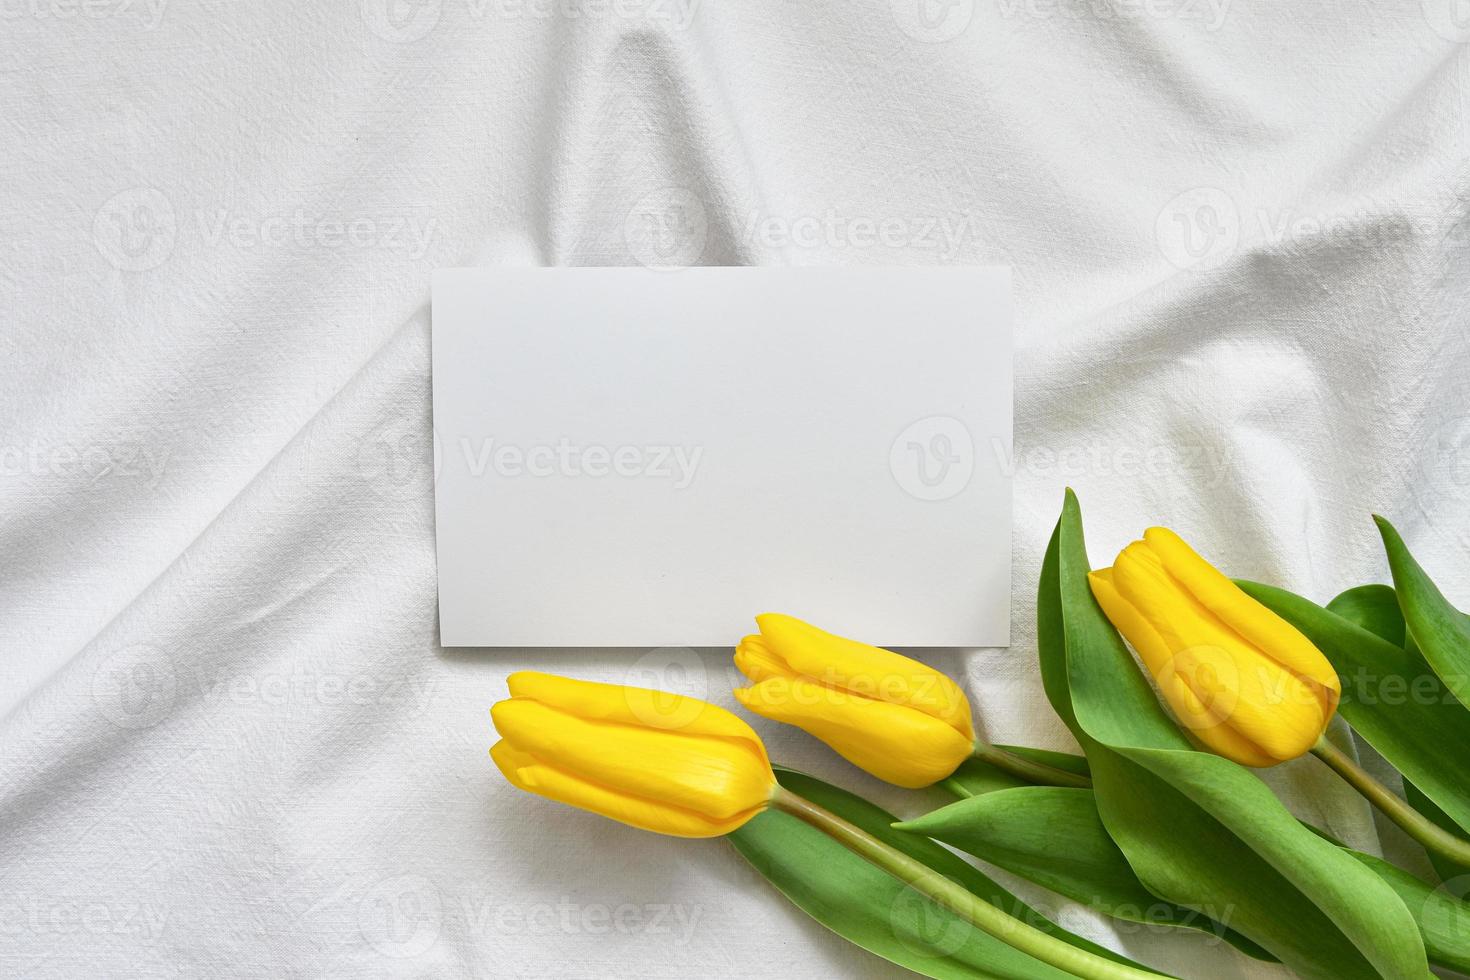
231	744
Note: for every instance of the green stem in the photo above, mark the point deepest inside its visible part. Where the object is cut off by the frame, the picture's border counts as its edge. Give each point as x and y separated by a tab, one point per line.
1028	769
1434	837
949	895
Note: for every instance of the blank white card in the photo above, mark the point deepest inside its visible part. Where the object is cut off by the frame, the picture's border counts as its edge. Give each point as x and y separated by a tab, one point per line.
642	458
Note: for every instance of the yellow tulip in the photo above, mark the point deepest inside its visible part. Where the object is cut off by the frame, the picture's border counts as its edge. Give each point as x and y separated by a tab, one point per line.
898	719
1246	683
662	762
679	766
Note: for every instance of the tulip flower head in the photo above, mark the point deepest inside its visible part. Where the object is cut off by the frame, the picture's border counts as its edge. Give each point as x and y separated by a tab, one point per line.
662	762
900	720
1239	678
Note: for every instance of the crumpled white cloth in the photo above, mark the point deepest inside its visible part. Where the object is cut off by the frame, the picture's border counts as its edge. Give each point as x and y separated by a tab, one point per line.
232	746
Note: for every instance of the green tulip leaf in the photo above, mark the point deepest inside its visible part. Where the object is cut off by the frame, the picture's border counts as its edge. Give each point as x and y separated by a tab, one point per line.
1440	630
1443	918
1390	697
1447	868
1376	609
1053	836
1197	829
976	777
878	912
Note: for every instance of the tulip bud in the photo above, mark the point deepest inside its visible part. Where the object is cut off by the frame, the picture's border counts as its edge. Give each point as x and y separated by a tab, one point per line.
657	761
900	720
1242	680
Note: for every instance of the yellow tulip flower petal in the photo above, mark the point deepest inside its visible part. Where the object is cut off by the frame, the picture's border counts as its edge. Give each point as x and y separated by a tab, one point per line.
524	772
1255	623
1219	738
1205	718
870	671
1283	713
715	775
755	659
895	743
1136	629
1196	711
1242	682
635	706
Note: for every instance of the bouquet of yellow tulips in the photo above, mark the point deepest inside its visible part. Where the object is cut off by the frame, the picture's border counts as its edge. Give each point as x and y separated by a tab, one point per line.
1161	811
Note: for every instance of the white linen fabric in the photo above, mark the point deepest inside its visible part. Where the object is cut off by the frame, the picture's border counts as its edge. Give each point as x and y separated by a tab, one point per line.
231	743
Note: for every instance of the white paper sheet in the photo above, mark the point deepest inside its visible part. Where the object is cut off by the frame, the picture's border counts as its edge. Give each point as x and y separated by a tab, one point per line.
636	458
